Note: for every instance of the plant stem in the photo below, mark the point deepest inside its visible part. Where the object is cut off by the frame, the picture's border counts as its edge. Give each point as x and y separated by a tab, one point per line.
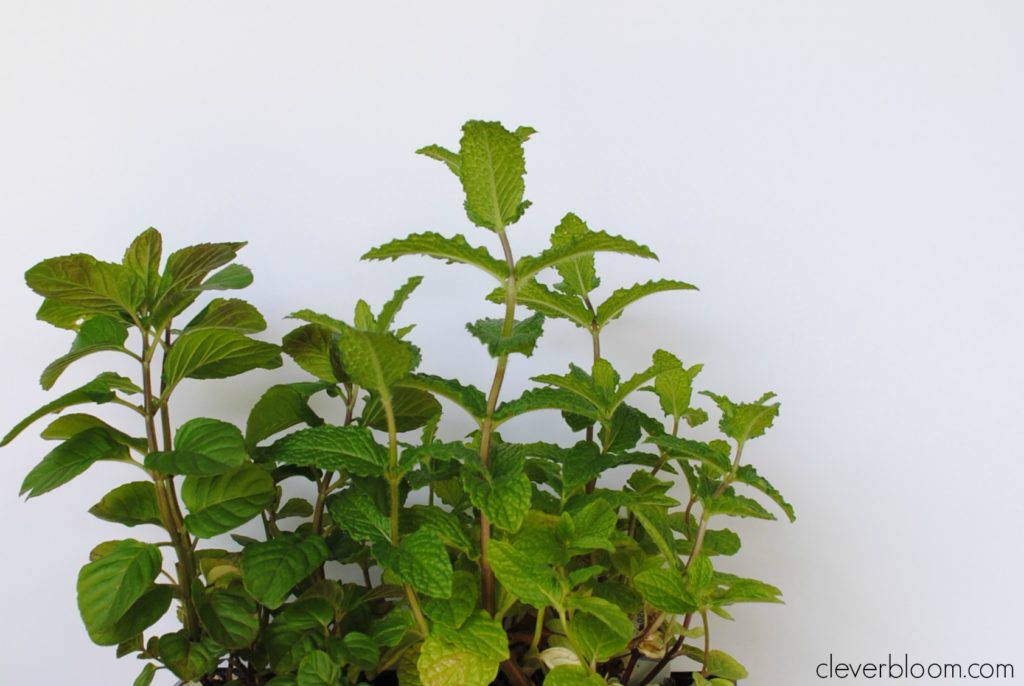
595	343
393	480
538	630
487	426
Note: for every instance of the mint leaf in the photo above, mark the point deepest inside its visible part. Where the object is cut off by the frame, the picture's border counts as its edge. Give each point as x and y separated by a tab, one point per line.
271	569
743	421
430	244
491	170
664	589
333	448
522	339
621	298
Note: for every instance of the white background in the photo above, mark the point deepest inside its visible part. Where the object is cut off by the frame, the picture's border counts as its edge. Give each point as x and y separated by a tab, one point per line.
842	180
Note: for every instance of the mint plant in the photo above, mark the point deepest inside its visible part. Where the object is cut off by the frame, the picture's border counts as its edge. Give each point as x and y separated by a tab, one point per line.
436	561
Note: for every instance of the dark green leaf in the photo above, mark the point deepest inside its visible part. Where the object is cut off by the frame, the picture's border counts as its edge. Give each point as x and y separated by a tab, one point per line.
202	447
188	660
71	458
746	474
314	348
280	408
333	448
230	616
271	569
110	585
423	563
412	408
83	281
228	313
185	271
218	504
217	354
469	398
131	504
101	333
142	258
356	510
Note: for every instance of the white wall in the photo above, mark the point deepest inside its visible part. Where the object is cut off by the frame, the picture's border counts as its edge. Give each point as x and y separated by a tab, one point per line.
842	179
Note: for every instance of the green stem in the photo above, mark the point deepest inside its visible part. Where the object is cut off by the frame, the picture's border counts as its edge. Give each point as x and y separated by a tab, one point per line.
538	630
487	426
393	482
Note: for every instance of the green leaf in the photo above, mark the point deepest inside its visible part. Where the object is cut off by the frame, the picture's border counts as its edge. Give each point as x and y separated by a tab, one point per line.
505	500
217	354
581	245
218	504
533	583
674	388
539	298
271	569
412	408
593	527
230	616
318	669
602	627
359	650
70	424
436	152
480	635
722	665
100	390
202	447
184	273
188	660
468	397
661	361
743	421
228	313
449	526
392	307
282	407
333	448
142	258
748	591
110	585
295	507
578	274
231	277
747	474
423	563
491	170
314	348
572	675
664	589
714	455
84	282
356	511
146	677
454	611
451	250
71	458
545	399
441	664
621	298
655	525
736	506
522	339
97	334
375	360
131	504
144	613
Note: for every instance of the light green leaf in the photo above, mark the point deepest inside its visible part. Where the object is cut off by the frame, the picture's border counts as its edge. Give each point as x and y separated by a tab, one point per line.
436	152
101	333
664	589
545	399
572	675
70	424
71	458
480	635
674	388
655	525
228	313
218	504
100	390
271	569
606	636
743	421
360	651
83	281
282	407
593	527
715	455
539	298
131	504
723	666
217	354
491	170
394	305
747	474
736	506
454	611
318	669
581	245
522	339
376	361
110	585
231	277
144	613
423	563
468	397
333	448
146	677
661	361
412	408
441	664
748	591
533	583
451	250
578	274
621	298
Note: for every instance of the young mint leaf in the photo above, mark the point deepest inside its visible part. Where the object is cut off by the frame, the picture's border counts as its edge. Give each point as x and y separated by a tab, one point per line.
533	583
392	307
231	277
423	563
470	398
539	298
743	421
623	297
664	590
522	339
130	504
491	170
333	448
454	249
736	506
142	258
579	246
747	474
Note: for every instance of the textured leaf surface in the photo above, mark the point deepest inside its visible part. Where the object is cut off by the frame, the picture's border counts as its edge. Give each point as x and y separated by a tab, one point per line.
280	408
318	669
228	313
543	300
271	569
622	298
218	504
572	675
423	563
581	245
534	583
356	511
314	348
522	339
453	249
747	474
188	660
468	397
131	504
110	585
217	354
664	589
505	500
333	448
184	272
412	408
231	616
97	334
85	282
743	421
203	447
491	170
